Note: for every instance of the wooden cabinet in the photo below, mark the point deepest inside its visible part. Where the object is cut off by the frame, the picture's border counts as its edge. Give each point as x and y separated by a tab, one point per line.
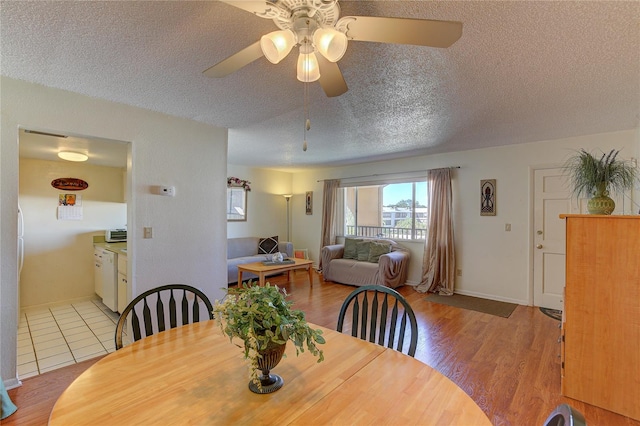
122	283
601	318
97	270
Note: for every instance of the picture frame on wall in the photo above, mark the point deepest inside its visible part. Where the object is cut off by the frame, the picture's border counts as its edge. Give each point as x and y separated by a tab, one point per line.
309	202
488	197
236	205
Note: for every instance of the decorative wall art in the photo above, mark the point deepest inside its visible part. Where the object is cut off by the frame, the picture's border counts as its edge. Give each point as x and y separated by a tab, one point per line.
309	202
237	199
69	184
488	197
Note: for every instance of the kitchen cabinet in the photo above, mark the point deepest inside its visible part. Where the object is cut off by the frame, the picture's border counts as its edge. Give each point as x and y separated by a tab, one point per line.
106	259
122	283
97	270
601	316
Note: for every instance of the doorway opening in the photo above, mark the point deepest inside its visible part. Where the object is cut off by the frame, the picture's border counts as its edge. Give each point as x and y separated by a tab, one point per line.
65	207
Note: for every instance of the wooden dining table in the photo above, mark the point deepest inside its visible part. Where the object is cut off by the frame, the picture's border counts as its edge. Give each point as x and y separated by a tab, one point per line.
195	375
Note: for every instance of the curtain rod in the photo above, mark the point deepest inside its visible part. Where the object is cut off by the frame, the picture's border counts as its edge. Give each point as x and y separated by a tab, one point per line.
387	174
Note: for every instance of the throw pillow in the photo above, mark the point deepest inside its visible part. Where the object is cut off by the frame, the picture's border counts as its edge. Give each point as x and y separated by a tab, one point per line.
350	248
363	250
376	250
268	245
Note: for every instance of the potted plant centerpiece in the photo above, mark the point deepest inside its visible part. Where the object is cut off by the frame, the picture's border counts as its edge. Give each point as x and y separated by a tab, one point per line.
264	320
597	176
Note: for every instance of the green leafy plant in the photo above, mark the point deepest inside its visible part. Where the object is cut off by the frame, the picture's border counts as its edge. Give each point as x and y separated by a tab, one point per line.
261	316
588	172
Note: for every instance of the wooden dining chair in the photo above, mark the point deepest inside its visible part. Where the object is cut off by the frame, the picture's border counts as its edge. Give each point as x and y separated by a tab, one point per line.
565	415
167	303
380	315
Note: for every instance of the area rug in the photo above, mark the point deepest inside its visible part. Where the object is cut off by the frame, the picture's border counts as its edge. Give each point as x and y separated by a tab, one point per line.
553	313
492	307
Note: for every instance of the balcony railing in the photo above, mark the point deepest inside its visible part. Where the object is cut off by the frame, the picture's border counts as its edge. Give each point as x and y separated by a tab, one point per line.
386	232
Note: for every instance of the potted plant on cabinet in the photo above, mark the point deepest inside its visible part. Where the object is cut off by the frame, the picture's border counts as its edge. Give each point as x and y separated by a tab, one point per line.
264	320
596	177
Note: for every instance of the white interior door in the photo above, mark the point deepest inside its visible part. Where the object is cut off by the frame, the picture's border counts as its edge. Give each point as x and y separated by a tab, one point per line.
551	198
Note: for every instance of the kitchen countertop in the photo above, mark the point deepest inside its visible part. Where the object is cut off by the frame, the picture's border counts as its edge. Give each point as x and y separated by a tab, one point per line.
118	248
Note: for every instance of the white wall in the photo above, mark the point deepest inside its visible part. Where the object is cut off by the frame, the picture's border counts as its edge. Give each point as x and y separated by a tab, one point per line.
266	207
189	230
58	262
495	264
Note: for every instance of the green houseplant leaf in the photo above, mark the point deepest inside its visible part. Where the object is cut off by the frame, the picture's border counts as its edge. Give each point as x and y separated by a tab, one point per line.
588	171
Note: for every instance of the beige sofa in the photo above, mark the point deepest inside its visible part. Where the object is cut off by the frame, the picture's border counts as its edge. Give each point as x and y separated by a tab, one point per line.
390	270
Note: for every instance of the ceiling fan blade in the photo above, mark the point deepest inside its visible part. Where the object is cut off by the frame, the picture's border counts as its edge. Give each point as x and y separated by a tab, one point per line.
236	61
420	32
263	9
331	78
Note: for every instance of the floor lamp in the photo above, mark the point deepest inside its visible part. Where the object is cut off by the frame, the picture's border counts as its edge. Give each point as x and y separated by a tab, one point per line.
287	197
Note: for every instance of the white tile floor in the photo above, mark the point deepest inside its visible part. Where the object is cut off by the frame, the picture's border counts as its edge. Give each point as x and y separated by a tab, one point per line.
55	336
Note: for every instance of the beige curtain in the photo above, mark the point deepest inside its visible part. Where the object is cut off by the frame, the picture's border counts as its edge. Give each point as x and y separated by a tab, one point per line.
329	214
439	261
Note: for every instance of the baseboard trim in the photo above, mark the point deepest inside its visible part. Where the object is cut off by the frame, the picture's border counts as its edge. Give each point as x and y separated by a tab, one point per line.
12	383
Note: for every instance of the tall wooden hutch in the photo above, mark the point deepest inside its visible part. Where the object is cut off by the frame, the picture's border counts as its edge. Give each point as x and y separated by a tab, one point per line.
601	316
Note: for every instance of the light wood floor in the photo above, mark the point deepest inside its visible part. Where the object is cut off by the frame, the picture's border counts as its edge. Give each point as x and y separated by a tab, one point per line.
509	366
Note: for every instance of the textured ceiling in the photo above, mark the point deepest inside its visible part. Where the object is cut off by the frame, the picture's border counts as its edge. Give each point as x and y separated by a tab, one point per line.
522	71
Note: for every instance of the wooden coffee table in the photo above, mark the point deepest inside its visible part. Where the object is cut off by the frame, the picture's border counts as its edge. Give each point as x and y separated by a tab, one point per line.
261	269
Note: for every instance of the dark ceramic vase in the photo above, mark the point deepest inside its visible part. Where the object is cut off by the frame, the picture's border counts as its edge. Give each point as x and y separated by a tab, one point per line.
269	382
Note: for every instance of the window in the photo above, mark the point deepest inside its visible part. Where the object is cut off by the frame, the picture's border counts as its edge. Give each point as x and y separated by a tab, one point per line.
388	210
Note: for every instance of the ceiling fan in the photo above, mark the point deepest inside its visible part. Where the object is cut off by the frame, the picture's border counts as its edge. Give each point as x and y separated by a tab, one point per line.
313	25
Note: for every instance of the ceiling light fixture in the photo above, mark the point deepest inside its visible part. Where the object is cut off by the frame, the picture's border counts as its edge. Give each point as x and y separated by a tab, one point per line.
73	156
311	38
308	68
277	45
331	43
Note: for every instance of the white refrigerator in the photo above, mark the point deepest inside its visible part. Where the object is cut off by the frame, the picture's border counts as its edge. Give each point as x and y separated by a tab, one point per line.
20	242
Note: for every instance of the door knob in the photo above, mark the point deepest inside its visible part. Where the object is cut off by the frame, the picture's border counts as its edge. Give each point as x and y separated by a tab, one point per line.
539	246
539	232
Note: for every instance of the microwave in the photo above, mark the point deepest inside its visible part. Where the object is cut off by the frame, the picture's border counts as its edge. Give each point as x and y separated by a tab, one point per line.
115	235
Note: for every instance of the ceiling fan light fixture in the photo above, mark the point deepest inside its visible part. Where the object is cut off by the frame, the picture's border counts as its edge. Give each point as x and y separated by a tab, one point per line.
277	45
308	68
73	156
331	43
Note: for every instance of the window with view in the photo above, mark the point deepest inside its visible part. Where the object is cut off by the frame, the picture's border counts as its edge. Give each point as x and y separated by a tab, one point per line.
391	210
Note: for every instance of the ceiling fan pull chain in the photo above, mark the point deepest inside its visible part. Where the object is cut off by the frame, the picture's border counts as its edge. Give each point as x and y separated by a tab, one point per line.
307	122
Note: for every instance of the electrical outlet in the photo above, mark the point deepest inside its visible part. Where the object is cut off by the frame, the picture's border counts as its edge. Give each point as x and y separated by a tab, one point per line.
507	227
169	191
148	232
459	272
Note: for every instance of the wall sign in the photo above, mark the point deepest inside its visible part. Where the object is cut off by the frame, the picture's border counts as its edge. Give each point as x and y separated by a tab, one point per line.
309	202
69	184
488	197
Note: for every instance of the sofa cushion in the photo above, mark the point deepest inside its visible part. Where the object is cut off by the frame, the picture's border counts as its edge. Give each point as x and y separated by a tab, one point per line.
363	249
354	272
376	250
350	251
268	245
